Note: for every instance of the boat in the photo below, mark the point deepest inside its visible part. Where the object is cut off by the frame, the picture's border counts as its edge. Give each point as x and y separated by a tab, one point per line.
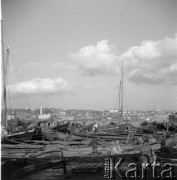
119	131
43	131
19	136
24	134
54	135
61	128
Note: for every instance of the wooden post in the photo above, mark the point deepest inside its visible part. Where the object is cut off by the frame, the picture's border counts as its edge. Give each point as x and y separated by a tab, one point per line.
167	126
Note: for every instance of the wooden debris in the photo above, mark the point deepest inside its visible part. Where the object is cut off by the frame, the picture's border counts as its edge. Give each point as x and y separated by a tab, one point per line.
88	167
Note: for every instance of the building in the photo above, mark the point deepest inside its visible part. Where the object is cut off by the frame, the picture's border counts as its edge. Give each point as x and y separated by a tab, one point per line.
10	117
44	116
113	111
173	119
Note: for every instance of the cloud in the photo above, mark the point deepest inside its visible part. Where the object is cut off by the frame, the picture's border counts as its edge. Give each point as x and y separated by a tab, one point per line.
42	86
95	60
153	62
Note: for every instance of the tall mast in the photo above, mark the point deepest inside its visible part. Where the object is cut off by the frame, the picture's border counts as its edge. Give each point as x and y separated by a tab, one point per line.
118	115
4	75
122	85
5	63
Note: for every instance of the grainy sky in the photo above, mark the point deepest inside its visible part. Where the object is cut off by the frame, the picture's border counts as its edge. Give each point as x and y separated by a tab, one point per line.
68	53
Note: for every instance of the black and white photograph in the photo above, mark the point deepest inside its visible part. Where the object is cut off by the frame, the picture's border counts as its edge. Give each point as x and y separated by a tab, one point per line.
88	89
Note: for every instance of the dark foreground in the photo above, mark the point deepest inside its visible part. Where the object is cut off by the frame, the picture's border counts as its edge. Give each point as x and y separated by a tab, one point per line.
87	171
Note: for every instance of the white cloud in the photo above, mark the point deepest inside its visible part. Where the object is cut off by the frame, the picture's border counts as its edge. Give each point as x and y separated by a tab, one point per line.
153	62
99	59
42	86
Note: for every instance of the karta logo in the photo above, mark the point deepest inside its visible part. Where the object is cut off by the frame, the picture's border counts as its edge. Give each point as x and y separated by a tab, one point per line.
138	171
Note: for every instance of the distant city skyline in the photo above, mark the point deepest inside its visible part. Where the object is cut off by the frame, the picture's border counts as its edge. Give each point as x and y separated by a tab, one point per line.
47	107
67	54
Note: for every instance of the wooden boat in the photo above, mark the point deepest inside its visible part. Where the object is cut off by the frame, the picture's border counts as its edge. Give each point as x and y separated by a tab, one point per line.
122	129
44	132
62	128
54	135
107	137
115	132
23	135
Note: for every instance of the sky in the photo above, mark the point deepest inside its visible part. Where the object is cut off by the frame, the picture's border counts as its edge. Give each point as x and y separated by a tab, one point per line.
68	53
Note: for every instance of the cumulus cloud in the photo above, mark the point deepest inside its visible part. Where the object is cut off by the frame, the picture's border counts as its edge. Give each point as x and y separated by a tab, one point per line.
42	86
99	59
153	62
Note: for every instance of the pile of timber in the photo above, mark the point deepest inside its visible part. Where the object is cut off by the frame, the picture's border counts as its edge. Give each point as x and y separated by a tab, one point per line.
36	155
22	159
108	137
43	149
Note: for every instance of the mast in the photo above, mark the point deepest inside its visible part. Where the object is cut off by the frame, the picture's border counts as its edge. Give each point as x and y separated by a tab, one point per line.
5	65
122	85
4	75
118	115
4	102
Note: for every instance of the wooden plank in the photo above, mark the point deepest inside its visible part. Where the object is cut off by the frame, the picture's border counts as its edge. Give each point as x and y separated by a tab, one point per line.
88	167
84	166
21	146
99	165
95	165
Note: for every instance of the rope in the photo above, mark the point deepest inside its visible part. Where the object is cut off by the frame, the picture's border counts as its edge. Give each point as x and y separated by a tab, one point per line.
20	83
116	101
24	95
8	82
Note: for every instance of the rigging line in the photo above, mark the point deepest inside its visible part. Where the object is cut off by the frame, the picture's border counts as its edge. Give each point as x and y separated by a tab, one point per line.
120	87
3	70
17	73
5	64
20	83
116	103
23	91
4	83
122	95
125	97
8	78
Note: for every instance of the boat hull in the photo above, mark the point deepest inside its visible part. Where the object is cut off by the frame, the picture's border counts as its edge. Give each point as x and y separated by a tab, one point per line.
25	135
53	135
